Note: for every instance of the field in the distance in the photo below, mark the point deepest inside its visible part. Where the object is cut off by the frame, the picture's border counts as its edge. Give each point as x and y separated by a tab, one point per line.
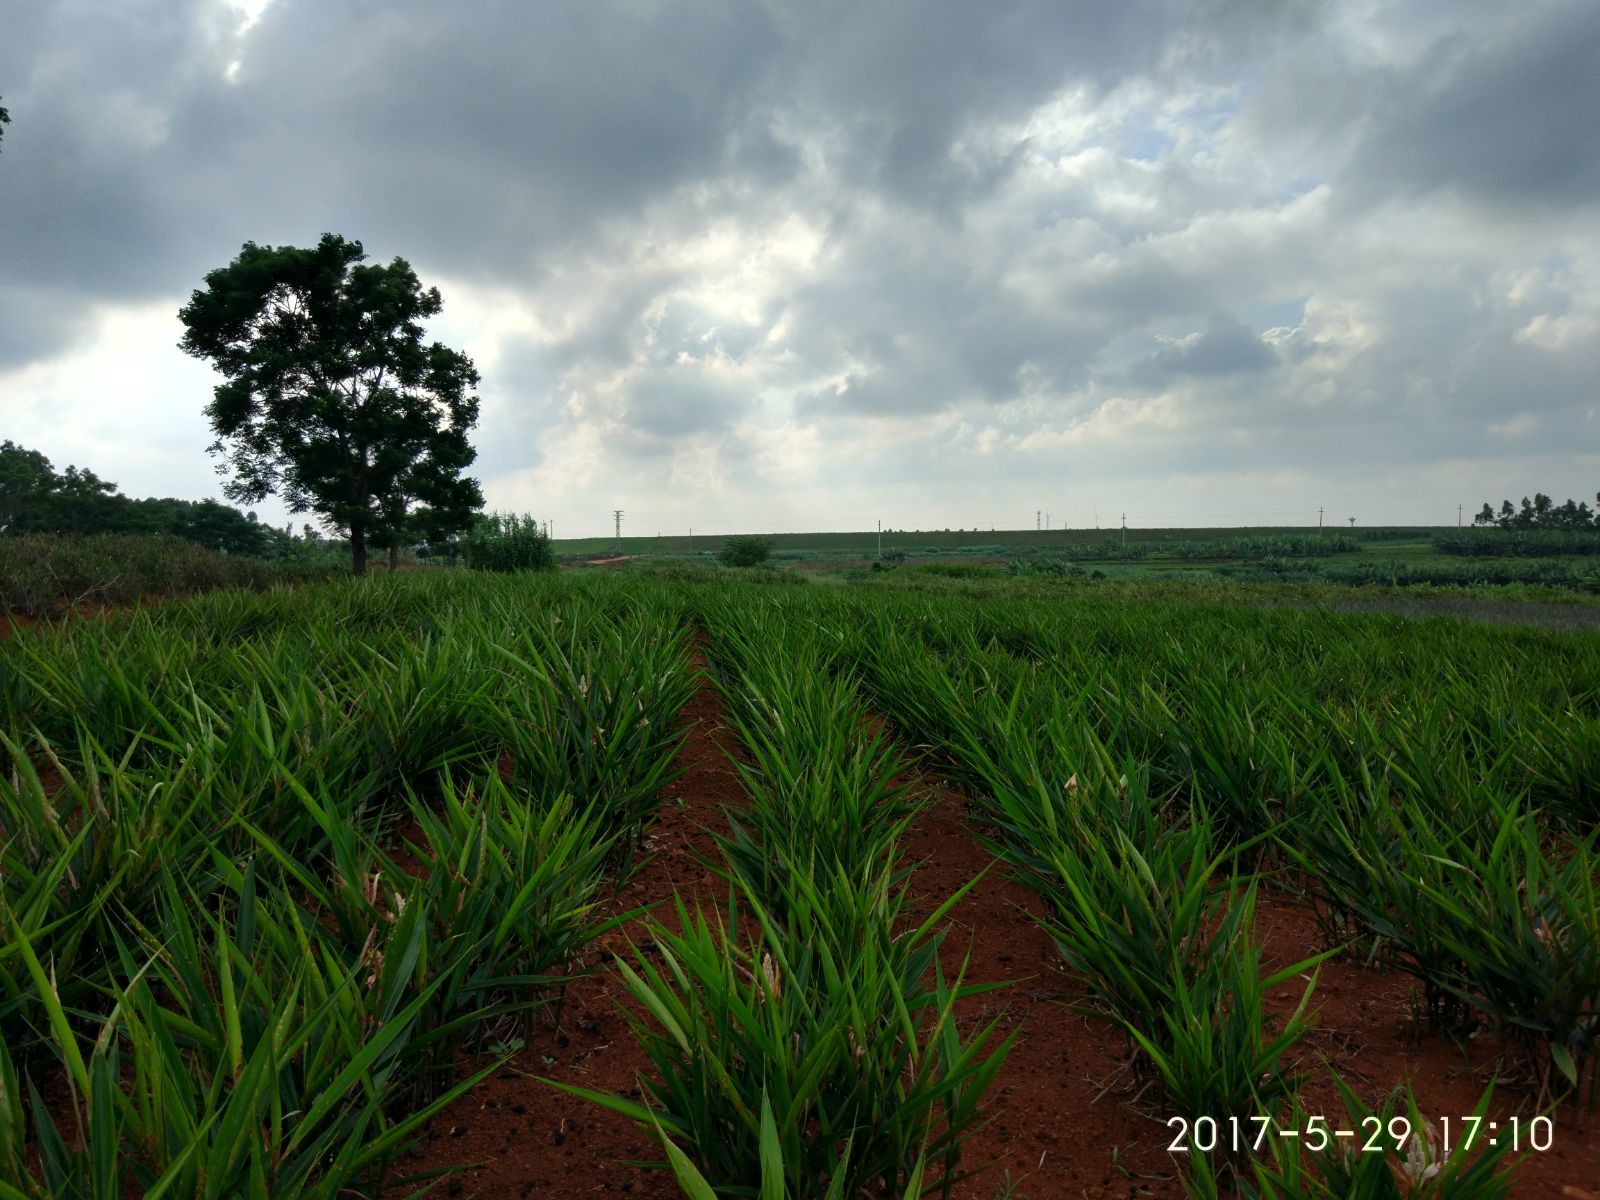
943	541
318	891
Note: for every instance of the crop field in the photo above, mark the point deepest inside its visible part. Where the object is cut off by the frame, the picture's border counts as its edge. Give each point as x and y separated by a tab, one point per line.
611	882
1546	564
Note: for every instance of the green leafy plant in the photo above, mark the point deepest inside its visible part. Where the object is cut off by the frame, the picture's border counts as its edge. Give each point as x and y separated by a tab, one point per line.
508	542
836	1020
748	550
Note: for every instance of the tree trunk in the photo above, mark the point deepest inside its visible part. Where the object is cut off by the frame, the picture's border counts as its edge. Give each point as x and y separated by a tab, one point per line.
394	556
358	549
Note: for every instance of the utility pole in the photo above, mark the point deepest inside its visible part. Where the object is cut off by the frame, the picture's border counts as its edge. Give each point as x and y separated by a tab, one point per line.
691	539
1047	519
1458	516
880	537
1038	515
1319	516
616	515
1124	529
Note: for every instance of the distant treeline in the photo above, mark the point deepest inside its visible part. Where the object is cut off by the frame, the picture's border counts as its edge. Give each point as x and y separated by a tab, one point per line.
35	498
1541	513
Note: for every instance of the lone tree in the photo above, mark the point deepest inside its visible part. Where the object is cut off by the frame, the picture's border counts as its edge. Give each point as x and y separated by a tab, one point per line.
331	397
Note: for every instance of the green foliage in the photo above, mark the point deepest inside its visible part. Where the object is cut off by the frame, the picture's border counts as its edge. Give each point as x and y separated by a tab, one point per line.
836	1016
508	542
43	575
1401	1156
204	930
806	1040
243	1054
745	551
1541	513
1517	543
331	397
209	923
827	789
34	498
1583	577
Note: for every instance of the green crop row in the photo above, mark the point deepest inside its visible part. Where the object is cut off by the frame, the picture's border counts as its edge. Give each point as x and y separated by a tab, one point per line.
804	1039
269	863
1518	543
1428	785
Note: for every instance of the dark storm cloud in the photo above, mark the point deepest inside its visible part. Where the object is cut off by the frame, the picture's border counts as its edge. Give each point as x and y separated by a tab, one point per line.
90	186
900	81
1512	120
496	133
36	324
1500	110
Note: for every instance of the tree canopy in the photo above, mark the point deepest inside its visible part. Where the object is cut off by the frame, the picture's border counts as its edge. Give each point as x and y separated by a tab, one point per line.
1541	513
5	119
331	398
36	498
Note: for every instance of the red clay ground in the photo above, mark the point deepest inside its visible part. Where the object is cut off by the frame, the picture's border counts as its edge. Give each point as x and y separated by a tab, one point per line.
1065	1120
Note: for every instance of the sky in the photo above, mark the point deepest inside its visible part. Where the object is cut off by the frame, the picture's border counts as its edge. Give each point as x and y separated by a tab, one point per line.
760	266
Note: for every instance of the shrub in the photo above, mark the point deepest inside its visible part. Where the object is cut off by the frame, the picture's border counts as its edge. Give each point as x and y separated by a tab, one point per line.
45	575
745	551
507	542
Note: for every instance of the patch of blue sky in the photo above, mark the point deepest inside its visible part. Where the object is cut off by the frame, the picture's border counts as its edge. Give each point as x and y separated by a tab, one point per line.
1271	314
1148	145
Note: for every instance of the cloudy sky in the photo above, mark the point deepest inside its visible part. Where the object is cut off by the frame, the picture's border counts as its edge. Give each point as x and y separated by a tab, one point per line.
805	264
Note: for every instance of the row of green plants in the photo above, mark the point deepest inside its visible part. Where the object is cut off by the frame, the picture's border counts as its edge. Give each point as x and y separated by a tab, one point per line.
1246	549
1457	828
803	1036
1426	785
1517	543
1578	577
270	864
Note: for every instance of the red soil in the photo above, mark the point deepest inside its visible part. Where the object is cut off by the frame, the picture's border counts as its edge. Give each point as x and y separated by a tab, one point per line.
1066	1120
10	621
